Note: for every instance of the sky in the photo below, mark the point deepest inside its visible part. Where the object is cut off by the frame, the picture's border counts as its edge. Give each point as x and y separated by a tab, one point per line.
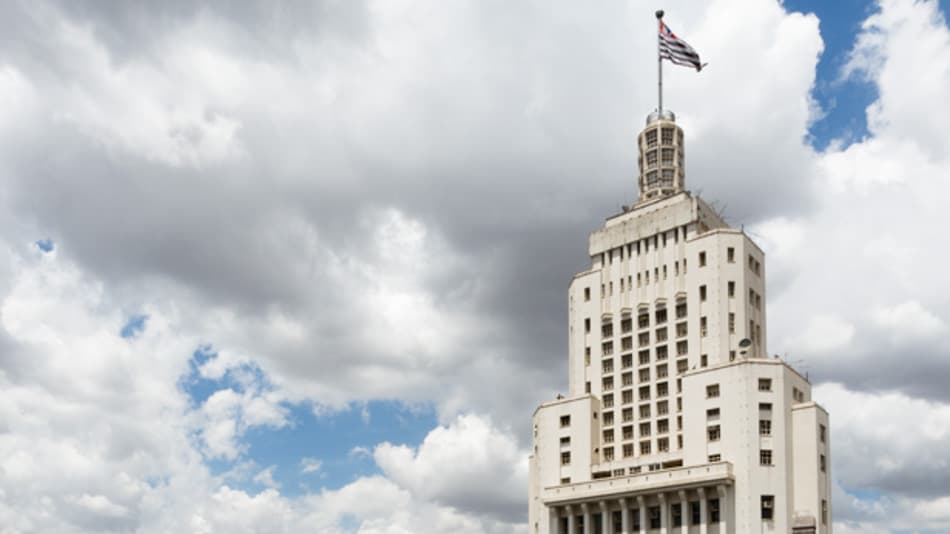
303	266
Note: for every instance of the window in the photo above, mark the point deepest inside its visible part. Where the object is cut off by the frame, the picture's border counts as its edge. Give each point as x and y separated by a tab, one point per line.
627	395
566	480
608	383
765	457
681	329
681	310
715	458
628	450
732	323
608	454
607	330
628	433
702	326
666	136
713	510
608	418
608	401
643	320
702	293
661	335
607	348
644	411
627	415
703	360
821	433
565	420
586	294
662	389
824	512
712	414
663	426
822	463
765	427
662	408
731	289
731	255
765	407
661	316
654	514
644	447
626	325
712	391
566	458
626	361
644	339
663	445
644	357
587	325
713	433
702	259
682	366
565	440
677	510
645	429
768	505
607	365
662	371
765	384
695	513
662	352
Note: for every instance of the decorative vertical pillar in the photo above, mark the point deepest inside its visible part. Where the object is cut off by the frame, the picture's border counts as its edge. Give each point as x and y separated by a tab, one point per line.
587	521
664	513
684	512
625	516
554	517
703	513
641	502
571	520
723	509
606	523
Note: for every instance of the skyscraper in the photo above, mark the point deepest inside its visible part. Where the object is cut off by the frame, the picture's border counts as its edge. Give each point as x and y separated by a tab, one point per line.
677	420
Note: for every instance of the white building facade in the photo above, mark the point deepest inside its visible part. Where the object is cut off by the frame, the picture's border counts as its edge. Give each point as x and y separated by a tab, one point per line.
677	420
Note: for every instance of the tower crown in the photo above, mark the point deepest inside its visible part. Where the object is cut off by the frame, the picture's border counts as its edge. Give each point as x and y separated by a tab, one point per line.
661	161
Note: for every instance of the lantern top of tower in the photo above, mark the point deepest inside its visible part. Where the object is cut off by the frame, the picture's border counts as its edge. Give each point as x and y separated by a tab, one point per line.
664	114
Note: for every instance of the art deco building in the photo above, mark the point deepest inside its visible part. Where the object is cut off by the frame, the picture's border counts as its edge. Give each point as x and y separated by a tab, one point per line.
677	419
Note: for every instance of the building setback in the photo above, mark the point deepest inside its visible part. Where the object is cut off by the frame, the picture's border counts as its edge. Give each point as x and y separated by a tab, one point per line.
677	420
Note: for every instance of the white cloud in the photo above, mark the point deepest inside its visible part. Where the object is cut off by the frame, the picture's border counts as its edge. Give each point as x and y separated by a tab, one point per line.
310	465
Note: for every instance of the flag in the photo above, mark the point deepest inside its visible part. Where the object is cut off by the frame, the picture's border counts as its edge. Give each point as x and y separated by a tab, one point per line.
676	50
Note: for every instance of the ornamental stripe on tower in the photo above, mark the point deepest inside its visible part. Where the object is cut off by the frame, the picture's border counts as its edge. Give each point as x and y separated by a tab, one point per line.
677	50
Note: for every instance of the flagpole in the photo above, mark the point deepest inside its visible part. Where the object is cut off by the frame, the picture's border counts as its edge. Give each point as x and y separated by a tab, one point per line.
659	66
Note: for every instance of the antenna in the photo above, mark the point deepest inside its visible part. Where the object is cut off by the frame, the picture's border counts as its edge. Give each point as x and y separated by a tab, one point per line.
659	66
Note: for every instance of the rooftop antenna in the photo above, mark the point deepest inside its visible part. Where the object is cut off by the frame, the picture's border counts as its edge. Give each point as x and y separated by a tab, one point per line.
659	66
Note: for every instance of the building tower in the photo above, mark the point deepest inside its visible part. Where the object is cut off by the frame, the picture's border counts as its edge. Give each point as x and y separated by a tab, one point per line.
676	419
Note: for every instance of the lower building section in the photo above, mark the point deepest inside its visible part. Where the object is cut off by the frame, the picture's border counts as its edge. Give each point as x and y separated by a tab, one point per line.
706	510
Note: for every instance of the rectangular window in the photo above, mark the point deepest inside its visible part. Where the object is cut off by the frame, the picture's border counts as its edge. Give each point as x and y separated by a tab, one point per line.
821	433
626	325
608	401
702	259
608	383
644	411
731	255
586	294
608	365
566	458
644	357
628	432
607	348
662	352
695	514
677	512
731	289
645	429
644	447
712	414
765	457
654	515
566	480
608	418
566	440
565	420
662	408
644	339
713	510
628	450
765	384
663	445
661	334
627	415
703	360
713	433
681	310
607	330
765	427
715	458
627	396
768	505
661	316
663	426
662	389
608	454
824	512
587	325
712	391
702	293
643	320
822	463
608	436
732	323
626	361
702	326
